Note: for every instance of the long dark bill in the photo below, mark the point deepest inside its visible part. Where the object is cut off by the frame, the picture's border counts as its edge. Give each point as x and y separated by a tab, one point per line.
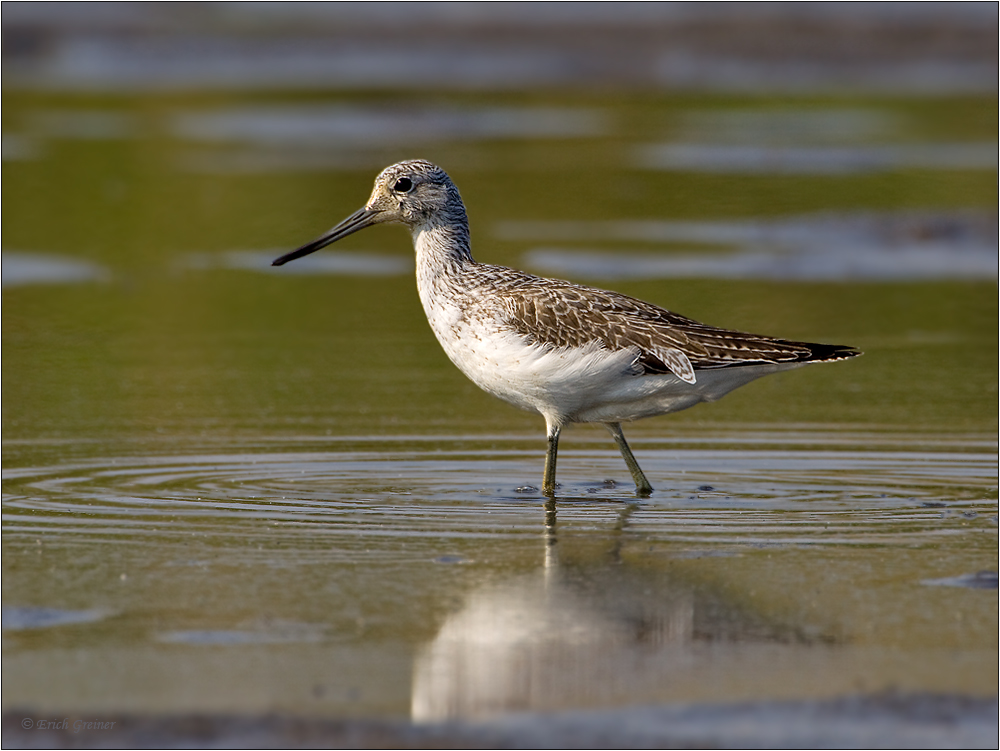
356	221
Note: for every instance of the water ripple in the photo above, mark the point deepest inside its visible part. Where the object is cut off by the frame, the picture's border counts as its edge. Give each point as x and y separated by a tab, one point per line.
722	496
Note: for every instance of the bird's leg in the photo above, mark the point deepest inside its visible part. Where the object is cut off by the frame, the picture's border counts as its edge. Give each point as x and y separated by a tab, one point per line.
549	481
642	486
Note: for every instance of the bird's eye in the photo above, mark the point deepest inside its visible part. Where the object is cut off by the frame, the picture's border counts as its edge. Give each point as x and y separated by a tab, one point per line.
403	185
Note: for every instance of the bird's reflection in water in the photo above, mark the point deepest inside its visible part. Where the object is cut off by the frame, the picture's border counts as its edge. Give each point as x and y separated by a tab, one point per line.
572	634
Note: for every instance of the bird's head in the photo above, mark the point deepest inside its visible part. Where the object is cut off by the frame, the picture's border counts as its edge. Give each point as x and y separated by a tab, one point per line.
415	193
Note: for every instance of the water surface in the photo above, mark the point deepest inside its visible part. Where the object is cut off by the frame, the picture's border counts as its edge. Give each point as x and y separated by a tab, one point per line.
234	488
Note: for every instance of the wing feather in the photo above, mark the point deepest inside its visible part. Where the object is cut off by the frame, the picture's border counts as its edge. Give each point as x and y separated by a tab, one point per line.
563	314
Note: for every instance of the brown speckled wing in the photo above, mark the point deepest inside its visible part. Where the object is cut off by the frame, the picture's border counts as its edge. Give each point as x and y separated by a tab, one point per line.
565	314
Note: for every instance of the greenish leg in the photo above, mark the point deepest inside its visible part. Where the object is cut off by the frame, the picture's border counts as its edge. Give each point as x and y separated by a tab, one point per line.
549	481
642	486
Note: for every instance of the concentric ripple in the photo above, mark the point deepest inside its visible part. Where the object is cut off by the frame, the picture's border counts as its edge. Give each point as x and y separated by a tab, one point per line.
722	495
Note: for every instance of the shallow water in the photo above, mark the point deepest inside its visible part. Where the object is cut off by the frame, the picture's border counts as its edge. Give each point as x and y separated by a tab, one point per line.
427	577
235	488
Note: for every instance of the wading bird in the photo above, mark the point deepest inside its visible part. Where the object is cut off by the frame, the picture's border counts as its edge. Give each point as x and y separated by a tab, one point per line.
568	352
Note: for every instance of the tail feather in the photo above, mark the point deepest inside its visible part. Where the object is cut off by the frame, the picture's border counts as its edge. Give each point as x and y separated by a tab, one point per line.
828	352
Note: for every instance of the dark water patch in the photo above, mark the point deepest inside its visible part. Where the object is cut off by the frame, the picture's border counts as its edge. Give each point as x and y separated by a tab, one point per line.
861	264
280	633
309	138
814	160
351	127
978	580
798	124
21	618
868	247
449	559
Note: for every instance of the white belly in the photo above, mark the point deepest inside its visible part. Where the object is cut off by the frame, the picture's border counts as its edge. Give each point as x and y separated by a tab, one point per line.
556	382
566	384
